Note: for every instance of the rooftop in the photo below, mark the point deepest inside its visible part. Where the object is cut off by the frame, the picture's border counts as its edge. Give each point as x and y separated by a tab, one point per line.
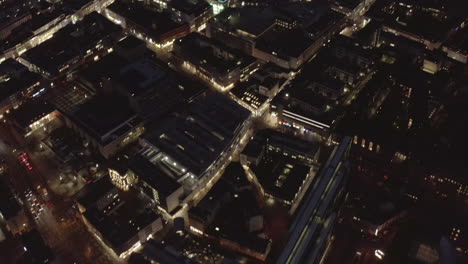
26	30
281	176
459	41
141	75
231	182
284	43
130	42
117	217
210	54
153	176
312	20
31	111
287	142
153	23
156	89
37	250
14	77
164	254
190	7
257	20
89	195
323	22
231	223
105	117
419	23
104	68
9	207
196	137
70	42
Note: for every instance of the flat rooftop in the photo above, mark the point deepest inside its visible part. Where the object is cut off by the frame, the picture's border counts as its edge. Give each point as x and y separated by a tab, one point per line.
248	92
196	137
153	23
257	20
459	42
104	68
71	42
156	89
30	112
190	7
26	30
140	75
232	222
292	43
9	207
311	19
205	53
280	176
153	176
14	77
254	21
104	116
92	192
419	23
130	42
116	217
287	142
232	180
285	43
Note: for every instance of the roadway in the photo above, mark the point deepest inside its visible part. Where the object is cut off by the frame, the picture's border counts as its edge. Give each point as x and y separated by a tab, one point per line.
58	221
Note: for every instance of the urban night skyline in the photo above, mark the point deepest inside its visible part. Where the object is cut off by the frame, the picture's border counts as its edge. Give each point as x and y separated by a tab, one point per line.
233	132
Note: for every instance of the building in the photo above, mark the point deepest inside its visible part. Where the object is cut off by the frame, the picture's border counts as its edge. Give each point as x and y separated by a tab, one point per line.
72	46
302	111
410	21
155	28
96	75
33	115
10	211
122	222
312	227
106	123
271	140
194	143
151	180
160	253
7	27
282	167
229	215
260	87
152	89
231	182
455	47
213	62
308	105
21	37
352	52
16	84
369	36
196	13
275	46
378	210
35	250
287	36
